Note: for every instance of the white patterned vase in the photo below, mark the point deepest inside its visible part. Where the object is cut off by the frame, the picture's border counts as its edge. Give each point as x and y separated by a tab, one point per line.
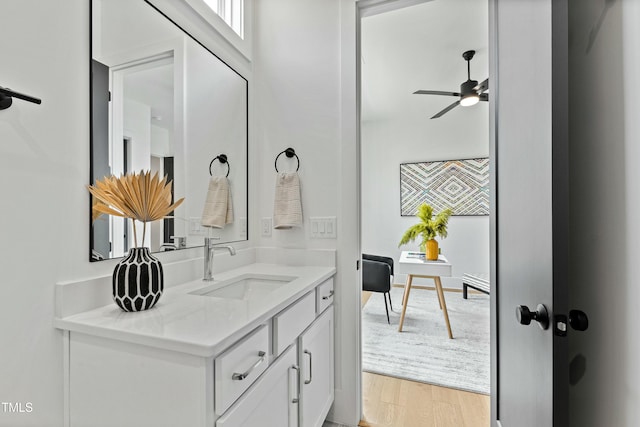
138	281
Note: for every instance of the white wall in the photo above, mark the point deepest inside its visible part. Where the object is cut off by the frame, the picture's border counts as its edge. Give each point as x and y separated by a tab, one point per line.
302	49
297	93
605	200
44	155
215	120
137	128
44	152
386	144
129	31
161	145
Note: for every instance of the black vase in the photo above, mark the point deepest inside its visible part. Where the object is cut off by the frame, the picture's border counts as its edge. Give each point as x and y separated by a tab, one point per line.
138	281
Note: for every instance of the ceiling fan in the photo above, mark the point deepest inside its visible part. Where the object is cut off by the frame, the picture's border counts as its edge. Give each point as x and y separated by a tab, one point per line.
470	91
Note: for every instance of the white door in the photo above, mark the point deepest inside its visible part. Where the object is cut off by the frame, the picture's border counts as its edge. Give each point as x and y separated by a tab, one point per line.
316	371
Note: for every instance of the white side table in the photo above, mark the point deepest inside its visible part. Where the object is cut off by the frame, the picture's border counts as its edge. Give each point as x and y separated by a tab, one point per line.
413	265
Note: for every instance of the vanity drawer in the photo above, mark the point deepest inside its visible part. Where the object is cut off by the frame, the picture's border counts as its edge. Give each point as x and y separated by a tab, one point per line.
272	401
290	323
237	368
324	295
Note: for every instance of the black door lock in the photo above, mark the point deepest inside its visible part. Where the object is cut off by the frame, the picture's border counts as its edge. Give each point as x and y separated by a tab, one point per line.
578	320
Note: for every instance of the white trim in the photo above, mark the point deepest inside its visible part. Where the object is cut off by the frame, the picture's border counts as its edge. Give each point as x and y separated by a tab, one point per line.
146	63
184	16
376	7
66	380
231	11
350	158
347	407
242	43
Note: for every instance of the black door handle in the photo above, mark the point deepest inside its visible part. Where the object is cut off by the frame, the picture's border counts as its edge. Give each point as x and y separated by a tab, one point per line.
525	316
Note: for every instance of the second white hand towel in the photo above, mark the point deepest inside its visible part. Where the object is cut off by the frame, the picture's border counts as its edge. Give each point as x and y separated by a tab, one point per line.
218	209
287	207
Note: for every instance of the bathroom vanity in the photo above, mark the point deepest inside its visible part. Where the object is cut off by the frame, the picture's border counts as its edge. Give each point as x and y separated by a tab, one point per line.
252	348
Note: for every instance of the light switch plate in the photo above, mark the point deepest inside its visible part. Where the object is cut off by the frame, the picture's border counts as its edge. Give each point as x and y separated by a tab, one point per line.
265	227
322	227
195	227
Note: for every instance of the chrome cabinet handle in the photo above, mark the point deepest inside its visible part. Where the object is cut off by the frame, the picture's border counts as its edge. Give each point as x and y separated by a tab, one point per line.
297	369
326	297
310	367
239	377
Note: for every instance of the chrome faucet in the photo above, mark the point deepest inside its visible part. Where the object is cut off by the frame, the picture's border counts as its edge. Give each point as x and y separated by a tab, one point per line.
209	249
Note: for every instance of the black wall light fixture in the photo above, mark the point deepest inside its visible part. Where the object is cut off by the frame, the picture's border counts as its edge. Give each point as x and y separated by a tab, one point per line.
7	95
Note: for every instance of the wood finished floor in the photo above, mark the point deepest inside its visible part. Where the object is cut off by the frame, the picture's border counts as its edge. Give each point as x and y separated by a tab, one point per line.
393	402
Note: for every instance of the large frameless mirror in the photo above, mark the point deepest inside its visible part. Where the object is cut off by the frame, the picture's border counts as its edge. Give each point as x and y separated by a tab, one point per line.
162	102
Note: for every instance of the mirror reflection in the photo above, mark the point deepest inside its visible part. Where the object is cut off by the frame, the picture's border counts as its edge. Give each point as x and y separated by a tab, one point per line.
164	103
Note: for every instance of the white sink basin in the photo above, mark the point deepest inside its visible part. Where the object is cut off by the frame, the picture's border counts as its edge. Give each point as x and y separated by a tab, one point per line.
245	287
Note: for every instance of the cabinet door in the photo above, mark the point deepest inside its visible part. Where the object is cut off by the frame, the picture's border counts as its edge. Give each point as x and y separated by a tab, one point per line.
273	399
316	371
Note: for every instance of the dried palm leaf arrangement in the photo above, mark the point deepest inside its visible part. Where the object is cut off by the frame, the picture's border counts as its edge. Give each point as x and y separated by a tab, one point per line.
140	197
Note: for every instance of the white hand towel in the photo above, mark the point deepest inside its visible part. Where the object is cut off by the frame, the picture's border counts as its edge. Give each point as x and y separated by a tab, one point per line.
287	207
218	209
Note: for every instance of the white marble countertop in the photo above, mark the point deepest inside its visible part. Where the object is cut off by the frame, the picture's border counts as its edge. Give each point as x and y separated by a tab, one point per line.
195	324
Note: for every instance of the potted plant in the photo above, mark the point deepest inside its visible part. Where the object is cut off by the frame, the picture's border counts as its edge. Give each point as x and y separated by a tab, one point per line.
427	229
138	279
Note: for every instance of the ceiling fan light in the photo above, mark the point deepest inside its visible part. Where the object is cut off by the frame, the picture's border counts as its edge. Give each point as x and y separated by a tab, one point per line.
469	100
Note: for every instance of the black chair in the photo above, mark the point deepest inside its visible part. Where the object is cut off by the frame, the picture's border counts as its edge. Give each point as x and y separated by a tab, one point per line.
376	277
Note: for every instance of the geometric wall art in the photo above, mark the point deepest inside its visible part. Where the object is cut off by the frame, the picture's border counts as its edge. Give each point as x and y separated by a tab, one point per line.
462	185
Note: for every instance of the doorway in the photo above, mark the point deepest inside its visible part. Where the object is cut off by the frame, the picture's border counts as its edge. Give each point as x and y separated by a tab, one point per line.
399	54
142	116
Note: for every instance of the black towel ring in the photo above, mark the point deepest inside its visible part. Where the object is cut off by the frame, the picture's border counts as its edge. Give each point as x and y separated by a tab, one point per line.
222	158
289	152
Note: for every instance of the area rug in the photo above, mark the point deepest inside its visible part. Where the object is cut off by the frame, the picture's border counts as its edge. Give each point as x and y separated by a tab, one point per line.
423	351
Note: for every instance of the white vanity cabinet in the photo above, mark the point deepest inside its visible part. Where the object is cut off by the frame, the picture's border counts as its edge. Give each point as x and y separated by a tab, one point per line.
279	372
298	388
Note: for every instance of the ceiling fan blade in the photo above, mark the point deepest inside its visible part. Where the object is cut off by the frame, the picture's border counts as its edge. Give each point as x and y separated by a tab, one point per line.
482	86
435	92
446	110
484	97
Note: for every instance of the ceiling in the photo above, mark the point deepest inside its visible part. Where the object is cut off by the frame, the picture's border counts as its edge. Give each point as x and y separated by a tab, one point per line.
420	47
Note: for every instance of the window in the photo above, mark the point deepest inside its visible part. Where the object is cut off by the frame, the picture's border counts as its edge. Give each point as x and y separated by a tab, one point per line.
231	11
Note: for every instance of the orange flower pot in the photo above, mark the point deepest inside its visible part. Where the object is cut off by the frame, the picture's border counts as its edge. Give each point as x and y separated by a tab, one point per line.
431	250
